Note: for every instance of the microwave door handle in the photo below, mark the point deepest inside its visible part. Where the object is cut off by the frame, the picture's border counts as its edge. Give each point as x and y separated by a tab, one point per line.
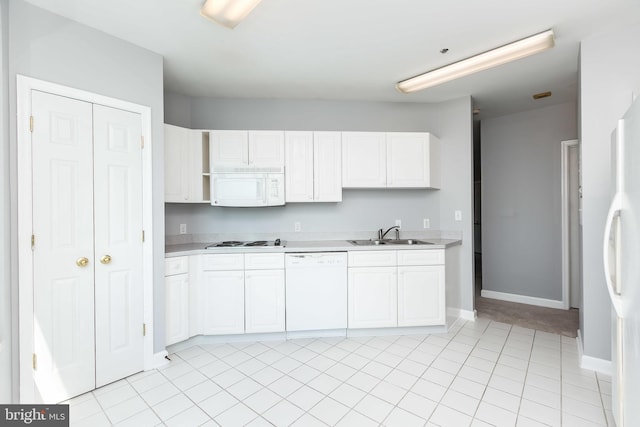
262	190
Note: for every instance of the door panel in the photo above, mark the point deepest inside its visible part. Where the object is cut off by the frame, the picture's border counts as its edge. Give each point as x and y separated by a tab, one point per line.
63	230
223	302
264	301
118	235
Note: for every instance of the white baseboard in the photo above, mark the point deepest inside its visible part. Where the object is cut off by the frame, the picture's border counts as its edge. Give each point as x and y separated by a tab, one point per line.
470	315
523	299
407	330
592	363
323	333
159	359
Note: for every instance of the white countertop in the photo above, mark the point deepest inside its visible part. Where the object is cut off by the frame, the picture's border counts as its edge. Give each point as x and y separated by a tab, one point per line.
304	246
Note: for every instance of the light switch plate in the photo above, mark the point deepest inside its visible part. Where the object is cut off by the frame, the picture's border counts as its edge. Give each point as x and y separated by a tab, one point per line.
183	228
426	223
458	215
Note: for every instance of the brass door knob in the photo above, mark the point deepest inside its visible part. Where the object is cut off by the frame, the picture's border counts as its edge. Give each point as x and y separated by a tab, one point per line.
106	259
82	262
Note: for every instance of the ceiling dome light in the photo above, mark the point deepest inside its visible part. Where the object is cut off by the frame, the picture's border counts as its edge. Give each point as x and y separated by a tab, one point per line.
228	13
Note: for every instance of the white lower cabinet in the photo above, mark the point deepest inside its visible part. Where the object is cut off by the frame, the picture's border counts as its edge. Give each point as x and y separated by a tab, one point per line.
236	293
176	283
242	293
222	302
373	297
222	294
264	293
408	291
421	295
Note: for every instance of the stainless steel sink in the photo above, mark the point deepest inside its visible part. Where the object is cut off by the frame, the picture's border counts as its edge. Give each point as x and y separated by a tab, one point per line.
377	242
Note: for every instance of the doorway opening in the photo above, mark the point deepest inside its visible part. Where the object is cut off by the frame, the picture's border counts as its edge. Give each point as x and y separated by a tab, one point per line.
571	292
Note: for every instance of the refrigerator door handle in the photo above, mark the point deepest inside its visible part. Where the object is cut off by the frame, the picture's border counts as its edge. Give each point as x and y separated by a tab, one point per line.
611	254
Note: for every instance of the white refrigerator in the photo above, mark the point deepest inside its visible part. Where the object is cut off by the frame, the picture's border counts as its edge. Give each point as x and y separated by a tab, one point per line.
622	268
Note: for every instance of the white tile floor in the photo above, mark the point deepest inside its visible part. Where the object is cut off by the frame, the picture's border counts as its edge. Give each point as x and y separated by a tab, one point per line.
481	373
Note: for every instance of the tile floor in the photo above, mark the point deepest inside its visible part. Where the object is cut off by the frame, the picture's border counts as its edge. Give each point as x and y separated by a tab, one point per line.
481	373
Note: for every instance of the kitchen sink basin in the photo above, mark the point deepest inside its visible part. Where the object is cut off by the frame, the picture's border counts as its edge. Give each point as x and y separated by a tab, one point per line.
372	242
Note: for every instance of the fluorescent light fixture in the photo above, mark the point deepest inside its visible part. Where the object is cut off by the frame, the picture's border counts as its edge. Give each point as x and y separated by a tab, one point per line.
227	12
492	58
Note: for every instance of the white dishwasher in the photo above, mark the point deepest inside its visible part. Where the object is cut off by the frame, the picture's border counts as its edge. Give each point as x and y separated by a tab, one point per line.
316	291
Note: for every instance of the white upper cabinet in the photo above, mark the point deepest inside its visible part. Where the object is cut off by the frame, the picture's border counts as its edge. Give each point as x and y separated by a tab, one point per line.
186	165
412	160
327	166
364	160
390	160
263	148
299	166
266	148
313	166
229	147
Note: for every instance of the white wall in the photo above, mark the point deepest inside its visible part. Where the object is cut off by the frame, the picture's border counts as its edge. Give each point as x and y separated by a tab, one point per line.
609	73
521	200
360	210
5	271
52	48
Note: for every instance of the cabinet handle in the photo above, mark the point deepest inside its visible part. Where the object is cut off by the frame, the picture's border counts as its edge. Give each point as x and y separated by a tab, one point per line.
82	262
106	259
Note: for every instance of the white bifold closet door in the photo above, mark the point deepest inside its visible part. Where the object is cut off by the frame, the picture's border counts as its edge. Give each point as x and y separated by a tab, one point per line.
87	252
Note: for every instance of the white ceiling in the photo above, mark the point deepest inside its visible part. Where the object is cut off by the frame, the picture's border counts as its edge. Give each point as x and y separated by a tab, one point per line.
358	49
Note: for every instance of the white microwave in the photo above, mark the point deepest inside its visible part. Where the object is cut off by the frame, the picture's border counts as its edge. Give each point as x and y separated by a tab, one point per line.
246	186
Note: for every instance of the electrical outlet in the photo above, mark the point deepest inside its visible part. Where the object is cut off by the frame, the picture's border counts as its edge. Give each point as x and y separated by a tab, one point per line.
296	226
399	223
426	223
458	215
183	228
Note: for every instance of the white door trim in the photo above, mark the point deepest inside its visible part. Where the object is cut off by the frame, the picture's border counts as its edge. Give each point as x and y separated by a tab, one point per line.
25	223
565	146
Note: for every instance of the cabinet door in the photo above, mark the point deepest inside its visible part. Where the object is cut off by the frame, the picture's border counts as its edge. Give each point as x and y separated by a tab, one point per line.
327	167
264	301
421	298
222	302
364	162
299	166
176	162
373	297
266	148
409	160
229	147
177	308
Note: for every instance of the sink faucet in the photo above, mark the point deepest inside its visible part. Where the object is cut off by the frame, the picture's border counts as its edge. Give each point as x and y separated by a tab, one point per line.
382	234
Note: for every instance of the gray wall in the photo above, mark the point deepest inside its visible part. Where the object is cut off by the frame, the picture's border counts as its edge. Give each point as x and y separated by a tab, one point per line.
5	272
360	210
610	72
177	109
52	48
521	200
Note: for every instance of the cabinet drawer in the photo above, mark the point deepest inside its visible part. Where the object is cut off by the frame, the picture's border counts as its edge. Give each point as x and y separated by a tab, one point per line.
421	257
264	261
372	259
223	262
177	265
